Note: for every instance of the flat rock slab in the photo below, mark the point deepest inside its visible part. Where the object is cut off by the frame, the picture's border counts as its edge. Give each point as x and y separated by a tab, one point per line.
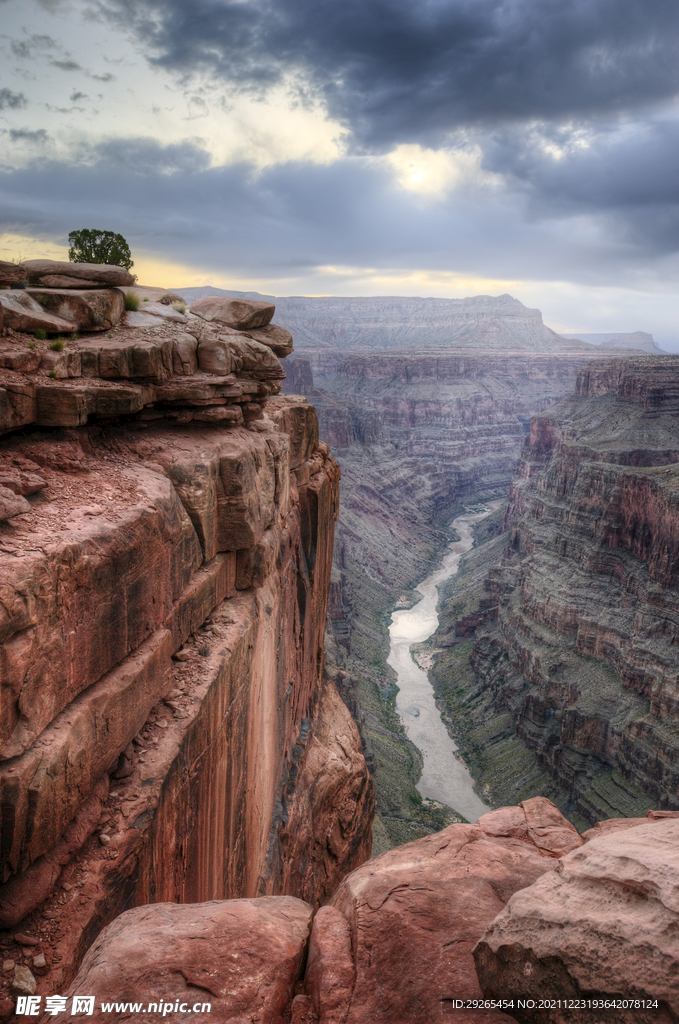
90	309
101	273
240	314
604	924
242	957
414	915
536	821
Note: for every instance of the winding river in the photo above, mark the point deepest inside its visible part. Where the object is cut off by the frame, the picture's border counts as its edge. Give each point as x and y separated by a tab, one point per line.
444	776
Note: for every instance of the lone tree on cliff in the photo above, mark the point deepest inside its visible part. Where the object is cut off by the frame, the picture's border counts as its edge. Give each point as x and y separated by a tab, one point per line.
93	246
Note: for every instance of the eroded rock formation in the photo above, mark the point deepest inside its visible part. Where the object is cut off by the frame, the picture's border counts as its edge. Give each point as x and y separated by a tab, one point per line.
166	543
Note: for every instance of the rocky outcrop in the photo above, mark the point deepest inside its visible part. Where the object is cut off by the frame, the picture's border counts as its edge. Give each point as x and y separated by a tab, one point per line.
602	926
575	635
167	730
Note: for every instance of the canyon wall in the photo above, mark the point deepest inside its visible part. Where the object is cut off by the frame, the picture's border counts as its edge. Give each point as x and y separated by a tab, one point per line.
569	647
166	539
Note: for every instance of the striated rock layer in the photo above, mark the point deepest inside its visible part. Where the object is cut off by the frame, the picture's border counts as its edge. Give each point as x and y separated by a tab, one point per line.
576	634
168	734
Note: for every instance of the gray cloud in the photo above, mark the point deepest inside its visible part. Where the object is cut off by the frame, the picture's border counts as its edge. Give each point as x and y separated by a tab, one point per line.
25	48
76	95
395	71
39	136
66	65
12	100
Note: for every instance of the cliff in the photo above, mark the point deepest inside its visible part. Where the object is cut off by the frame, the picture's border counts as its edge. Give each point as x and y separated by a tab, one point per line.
166	538
574	644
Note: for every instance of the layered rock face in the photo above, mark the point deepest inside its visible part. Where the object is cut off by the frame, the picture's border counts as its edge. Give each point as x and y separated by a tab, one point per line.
575	636
165	555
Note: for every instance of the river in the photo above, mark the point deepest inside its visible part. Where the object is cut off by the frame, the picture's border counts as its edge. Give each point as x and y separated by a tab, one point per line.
444	776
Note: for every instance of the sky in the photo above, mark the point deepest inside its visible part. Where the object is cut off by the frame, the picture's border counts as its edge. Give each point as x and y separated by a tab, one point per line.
356	147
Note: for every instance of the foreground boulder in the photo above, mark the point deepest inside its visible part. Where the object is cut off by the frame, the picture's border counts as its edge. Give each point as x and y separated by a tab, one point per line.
395	944
60	274
237	958
240	314
603	925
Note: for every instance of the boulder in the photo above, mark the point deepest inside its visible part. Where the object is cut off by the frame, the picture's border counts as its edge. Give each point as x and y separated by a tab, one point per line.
24	360
255	359
241	958
11	273
101	273
415	914
277	338
240	314
169	297
536	821
11	504
97	309
604	924
23	313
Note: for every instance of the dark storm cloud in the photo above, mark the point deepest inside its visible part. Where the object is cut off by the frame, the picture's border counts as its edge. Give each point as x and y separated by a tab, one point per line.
398	70
12	100
627	172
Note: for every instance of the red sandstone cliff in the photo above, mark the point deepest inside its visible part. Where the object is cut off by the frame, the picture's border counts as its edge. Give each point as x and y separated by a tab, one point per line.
165	555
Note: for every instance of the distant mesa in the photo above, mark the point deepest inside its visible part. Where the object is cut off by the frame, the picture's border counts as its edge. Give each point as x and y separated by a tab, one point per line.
639	340
384	323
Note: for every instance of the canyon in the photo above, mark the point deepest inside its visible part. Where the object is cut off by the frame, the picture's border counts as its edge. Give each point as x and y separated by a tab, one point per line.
420	436
558	648
198	714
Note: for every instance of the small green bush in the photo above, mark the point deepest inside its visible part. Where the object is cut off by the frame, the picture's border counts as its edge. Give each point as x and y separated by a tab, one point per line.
131	300
31	344
40	334
42	299
179	306
58	346
146	298
74	336
52	374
